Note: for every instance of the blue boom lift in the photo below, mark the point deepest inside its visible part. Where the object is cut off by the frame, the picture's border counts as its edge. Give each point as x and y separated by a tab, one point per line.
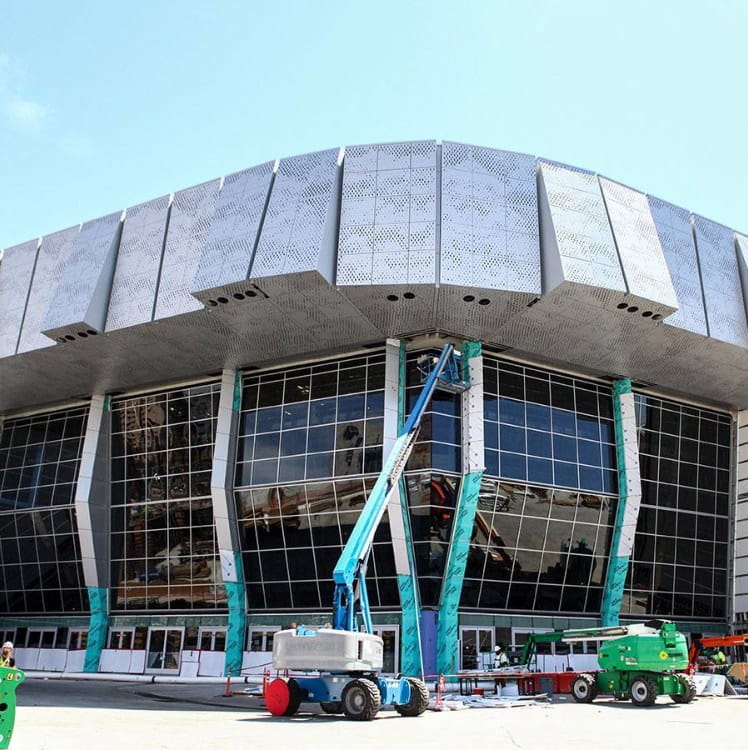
345	660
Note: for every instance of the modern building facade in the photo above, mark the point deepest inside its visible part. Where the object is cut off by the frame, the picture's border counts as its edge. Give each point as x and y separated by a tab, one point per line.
197	394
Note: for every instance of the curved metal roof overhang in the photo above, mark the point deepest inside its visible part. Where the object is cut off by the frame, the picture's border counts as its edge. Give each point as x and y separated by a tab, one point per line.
326	251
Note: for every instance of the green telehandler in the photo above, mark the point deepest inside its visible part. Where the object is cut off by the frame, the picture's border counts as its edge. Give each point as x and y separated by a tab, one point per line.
638	661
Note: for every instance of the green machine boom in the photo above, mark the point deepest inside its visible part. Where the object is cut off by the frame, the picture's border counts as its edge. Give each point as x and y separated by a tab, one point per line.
10	679
638	661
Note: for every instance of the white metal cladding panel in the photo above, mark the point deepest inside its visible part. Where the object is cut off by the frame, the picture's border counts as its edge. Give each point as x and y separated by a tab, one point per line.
189	222
473	442
586	249
294	228
227	253
88	269
489	218
633	476
674	229
50	263
391	428
16	272
221	482
723	296
639	247
136	273
91	496
388	215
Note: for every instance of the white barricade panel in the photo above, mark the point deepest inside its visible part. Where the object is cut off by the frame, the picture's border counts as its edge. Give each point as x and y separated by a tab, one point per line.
212	663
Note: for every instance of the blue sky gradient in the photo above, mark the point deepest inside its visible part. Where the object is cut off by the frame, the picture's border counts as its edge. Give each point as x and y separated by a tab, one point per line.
104	105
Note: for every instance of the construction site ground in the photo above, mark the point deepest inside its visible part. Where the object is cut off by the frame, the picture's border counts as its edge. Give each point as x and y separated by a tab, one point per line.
83	715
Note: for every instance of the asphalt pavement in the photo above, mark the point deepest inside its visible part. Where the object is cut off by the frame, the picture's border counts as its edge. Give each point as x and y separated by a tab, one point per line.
83	715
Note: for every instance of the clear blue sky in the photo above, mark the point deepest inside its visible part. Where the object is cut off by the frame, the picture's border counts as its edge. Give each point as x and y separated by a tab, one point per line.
106	104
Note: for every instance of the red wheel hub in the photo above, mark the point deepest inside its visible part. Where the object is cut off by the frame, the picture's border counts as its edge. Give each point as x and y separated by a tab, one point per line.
277	697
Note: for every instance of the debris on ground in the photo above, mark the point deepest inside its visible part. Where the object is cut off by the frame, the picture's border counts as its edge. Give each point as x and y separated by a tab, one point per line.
452	702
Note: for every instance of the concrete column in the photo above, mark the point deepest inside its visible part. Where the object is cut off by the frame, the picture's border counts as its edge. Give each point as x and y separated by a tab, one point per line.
411	659
224	514
629	501
473	464
92	508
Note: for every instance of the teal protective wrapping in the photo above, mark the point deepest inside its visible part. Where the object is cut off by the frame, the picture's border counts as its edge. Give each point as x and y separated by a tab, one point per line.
447	650
237	621
98	600
615	578
235	590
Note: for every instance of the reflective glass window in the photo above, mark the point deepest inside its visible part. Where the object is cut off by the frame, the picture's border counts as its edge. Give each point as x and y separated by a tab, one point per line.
684	450
164	551
535	548
548	428
40	558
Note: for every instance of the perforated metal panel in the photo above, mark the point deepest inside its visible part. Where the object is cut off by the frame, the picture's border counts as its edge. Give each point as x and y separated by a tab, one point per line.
489	219
16	271
388	215
297	231
720	279
673	226
297	313
741	245
580	249
79	306
639	248
53	254
227	254
189	222
138	261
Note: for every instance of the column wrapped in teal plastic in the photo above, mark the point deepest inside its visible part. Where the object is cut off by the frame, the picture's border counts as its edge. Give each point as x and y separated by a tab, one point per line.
411	661
98	624
615	578
237	621
447	654
235	590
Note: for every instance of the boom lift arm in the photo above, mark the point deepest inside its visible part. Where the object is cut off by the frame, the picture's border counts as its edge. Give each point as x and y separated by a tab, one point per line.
347	659
529	651
350	599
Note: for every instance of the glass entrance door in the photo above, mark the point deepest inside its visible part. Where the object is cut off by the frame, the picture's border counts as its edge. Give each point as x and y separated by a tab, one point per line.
163	650
476	648
391	641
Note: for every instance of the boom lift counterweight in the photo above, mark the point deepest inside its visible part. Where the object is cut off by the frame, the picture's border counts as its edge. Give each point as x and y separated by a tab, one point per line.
348	657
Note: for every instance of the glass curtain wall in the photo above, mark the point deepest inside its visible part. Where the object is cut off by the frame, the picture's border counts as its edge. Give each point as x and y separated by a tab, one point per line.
40	557
309	451
548	429
546	509
679	562
164	548
537	549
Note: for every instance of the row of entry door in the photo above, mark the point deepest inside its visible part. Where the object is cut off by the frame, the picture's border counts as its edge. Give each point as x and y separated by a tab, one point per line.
164	647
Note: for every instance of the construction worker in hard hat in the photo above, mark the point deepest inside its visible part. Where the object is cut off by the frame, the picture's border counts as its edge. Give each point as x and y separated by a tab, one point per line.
500	659
6	655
